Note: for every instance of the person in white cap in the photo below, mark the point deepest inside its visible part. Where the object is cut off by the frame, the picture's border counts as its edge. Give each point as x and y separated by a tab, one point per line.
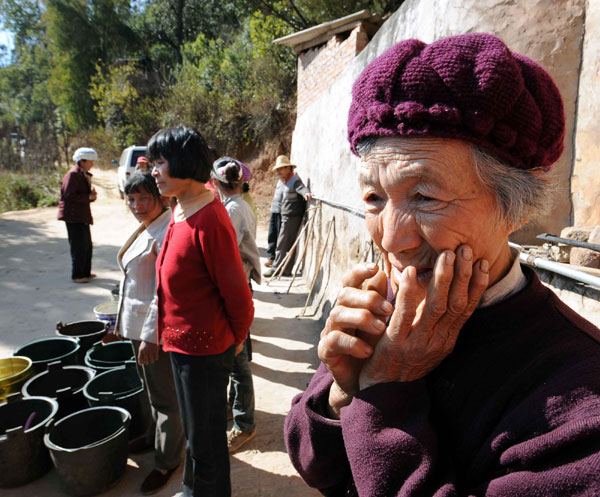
76	194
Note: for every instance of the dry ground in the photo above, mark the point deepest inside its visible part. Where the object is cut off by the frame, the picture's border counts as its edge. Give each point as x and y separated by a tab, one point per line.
36	292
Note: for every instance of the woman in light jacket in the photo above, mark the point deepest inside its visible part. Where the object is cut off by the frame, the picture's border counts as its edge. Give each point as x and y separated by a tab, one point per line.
228	178
136	321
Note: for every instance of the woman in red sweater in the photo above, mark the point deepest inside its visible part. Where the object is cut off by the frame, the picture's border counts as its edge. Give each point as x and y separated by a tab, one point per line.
204	304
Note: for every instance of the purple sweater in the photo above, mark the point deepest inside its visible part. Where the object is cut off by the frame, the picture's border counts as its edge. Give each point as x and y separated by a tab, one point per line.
513	411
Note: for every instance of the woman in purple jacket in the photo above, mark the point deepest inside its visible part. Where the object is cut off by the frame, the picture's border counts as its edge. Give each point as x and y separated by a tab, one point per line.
452	371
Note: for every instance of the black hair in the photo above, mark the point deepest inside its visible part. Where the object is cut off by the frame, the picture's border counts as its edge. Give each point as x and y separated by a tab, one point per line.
245	187
142	180
185	150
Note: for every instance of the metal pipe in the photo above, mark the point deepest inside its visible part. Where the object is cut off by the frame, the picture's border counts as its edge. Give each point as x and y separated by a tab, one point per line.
567	241
557	268
338	205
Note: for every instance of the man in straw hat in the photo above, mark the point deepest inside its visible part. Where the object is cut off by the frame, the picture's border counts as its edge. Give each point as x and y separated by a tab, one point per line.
76	193
293	197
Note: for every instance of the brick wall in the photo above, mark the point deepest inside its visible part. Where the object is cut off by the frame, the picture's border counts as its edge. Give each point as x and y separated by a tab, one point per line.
319	67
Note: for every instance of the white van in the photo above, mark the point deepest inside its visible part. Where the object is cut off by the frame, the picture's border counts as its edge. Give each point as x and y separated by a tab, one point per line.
126	165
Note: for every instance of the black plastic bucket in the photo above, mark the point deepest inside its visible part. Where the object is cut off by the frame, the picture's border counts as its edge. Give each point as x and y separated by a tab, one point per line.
51	349
64	384
23	456
87	332
112	355
89	449
122	387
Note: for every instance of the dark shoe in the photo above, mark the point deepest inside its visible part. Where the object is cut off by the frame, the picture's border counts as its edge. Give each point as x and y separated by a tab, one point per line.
139	445
82	280
155	481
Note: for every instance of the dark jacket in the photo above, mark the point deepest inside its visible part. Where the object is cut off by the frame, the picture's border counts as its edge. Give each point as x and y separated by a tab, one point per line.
292	199
75	190
513	411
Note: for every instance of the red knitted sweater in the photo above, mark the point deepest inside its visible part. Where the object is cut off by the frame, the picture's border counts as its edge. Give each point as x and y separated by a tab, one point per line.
204	302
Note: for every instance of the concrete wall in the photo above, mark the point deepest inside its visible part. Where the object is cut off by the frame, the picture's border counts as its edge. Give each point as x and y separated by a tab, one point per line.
585	185
549	31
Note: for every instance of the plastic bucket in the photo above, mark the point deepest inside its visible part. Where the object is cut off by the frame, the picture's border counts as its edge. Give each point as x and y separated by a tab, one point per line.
107	312
87	332
62	383
46	350
112	355
124	388
14	371
23	456
89	449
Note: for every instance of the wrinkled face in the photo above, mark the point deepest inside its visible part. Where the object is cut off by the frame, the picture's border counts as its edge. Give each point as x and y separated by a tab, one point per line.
167	185
422	196
144	206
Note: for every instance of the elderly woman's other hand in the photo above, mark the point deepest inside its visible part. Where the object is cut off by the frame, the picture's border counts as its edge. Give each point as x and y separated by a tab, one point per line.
353	328
421	333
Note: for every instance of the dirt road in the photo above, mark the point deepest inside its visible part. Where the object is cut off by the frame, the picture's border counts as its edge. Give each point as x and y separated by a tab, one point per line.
36	292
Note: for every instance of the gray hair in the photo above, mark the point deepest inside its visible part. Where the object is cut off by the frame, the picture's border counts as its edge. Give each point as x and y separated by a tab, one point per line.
520	194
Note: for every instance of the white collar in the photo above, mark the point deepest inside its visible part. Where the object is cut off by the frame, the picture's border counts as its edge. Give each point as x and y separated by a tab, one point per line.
511	283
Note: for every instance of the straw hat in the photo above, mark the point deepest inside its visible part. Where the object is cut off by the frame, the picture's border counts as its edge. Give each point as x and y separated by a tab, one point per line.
282	161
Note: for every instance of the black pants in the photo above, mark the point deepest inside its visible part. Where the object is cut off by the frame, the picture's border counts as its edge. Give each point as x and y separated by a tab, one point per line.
201	385
274	225
80	241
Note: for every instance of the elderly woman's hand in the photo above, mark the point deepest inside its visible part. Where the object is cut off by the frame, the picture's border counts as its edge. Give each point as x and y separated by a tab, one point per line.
353	328
421	334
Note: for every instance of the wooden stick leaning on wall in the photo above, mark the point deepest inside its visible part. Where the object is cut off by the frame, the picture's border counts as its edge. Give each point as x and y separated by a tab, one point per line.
309	234
318	268
279	271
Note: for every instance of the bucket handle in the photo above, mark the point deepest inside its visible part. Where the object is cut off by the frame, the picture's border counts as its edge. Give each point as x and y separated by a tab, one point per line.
54	366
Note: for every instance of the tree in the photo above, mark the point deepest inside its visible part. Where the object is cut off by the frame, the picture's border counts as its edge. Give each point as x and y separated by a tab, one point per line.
27	114
81	34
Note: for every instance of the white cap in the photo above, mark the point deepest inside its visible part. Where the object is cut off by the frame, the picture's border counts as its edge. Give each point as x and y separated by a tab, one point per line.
85	153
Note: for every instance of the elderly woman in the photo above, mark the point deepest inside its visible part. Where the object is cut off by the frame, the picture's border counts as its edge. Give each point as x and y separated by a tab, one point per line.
454	371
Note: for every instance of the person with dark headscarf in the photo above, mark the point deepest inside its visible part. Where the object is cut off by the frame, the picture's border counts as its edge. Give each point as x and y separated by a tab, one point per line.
452	371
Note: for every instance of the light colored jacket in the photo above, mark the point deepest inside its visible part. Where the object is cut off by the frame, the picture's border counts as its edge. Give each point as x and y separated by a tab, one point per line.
137	314
244	224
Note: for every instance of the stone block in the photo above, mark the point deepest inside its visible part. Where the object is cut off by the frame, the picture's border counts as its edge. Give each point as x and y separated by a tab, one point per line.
560	253
585	257
578	233
595	236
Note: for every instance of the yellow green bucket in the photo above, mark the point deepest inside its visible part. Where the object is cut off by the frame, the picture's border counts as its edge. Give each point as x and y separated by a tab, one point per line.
14	371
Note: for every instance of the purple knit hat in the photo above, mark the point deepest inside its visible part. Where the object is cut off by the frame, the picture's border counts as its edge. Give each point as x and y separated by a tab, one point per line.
468	87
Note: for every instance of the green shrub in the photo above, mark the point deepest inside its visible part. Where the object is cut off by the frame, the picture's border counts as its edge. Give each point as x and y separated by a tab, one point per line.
26	191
